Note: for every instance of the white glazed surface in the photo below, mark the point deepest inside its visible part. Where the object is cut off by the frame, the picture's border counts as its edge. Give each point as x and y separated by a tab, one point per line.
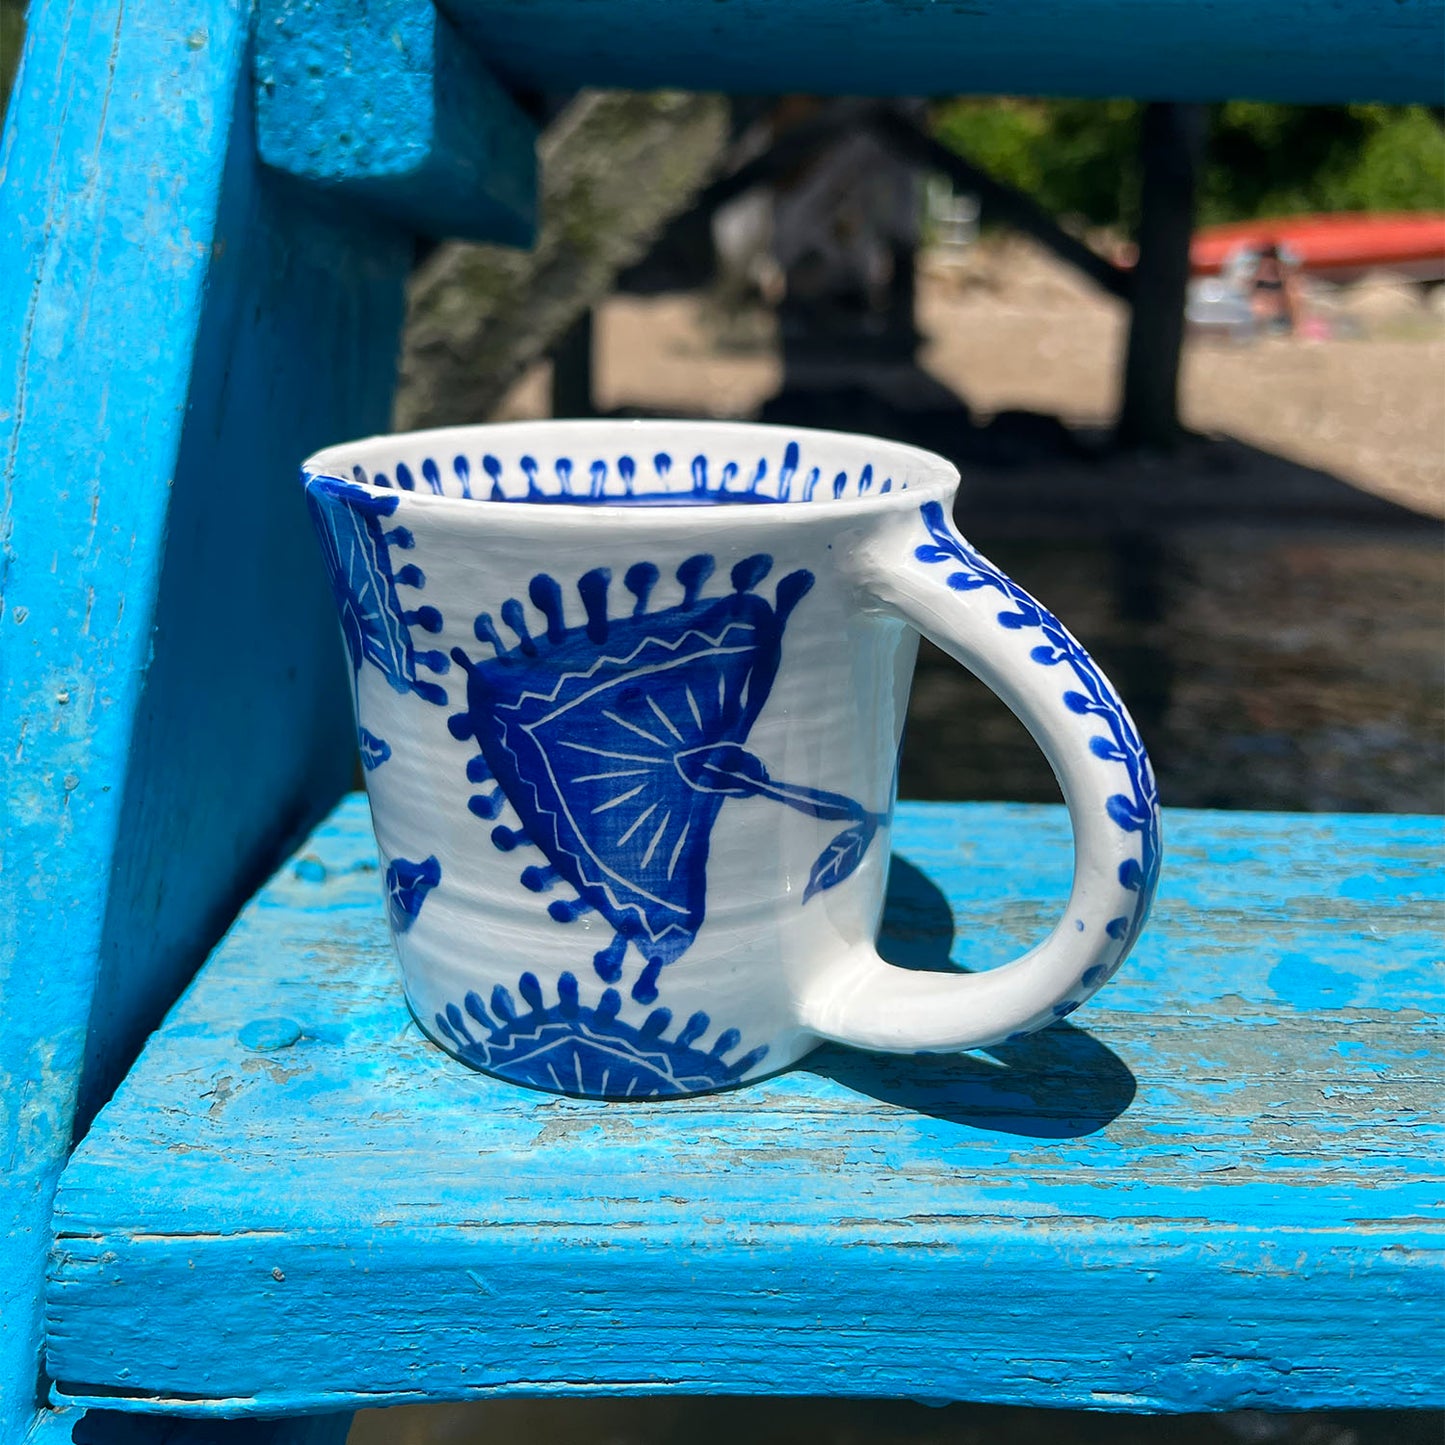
721	864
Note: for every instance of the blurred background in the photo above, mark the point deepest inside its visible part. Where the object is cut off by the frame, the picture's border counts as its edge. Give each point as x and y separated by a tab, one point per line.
1231	488
1255	556
1245	531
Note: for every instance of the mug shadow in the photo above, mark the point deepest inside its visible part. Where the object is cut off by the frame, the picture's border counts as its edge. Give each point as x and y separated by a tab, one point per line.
1060	1083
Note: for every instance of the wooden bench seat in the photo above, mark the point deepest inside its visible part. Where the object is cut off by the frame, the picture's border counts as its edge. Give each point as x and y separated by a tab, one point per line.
1220	1189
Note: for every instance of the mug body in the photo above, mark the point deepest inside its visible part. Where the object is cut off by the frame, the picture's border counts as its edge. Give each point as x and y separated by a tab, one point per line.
630	733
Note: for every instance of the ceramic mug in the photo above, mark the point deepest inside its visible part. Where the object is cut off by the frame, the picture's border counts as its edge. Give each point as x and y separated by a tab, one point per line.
629	699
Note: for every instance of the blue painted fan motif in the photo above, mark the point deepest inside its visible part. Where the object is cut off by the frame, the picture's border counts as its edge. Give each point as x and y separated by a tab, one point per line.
618	741
570	1047
356	550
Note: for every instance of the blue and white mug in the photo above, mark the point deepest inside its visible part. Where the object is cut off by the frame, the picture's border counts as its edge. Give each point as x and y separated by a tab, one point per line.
629	699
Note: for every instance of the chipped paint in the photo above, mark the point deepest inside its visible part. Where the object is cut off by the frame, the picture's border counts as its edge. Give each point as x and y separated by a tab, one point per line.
1237	1190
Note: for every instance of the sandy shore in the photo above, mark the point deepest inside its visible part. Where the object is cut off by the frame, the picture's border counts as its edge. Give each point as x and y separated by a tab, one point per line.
1009	328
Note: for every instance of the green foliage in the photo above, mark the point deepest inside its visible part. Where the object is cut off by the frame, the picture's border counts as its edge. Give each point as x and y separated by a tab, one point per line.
1274	160
1077	156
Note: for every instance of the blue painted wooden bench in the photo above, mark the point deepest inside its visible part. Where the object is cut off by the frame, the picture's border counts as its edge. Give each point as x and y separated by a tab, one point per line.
207	215
1215	1192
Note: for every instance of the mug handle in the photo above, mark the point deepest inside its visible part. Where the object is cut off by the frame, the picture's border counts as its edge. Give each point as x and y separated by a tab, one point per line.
930	577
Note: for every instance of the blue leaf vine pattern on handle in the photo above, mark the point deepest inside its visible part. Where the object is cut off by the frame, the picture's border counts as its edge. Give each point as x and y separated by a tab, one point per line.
617	741
1136	811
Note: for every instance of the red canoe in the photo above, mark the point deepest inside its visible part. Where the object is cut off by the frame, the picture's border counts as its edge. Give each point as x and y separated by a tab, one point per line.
1339	247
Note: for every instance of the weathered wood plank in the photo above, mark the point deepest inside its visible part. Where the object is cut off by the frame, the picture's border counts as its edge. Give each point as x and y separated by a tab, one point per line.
385	103
174	334
1220	1190
1305	50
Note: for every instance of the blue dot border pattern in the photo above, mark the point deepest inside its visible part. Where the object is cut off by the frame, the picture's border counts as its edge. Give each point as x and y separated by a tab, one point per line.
1136	811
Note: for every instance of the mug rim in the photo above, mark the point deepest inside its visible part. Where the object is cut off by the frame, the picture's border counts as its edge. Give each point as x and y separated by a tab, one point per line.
939	477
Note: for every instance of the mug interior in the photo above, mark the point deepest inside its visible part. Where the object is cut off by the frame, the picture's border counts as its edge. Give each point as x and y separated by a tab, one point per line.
635	463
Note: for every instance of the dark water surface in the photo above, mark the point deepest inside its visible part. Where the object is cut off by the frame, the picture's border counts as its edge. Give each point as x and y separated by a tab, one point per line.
1278	636
1272	667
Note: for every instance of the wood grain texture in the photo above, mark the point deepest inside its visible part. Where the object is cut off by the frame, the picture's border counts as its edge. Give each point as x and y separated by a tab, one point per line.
1308	50
1220	1190
382	101
174	335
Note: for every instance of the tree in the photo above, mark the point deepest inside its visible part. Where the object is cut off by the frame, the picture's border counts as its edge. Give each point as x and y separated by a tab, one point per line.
1077	157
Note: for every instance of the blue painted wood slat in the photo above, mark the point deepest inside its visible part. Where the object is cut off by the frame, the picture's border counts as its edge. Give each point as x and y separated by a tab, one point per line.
1219	1190
1291	50
176	330
383	102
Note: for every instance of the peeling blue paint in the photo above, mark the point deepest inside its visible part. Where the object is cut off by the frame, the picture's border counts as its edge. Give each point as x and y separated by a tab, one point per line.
1204	1153
1304	982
